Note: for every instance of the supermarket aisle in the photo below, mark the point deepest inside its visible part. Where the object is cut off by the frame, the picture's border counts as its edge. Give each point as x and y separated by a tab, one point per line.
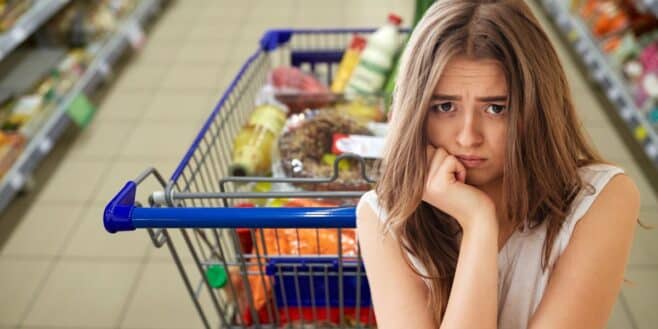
636	306
62	270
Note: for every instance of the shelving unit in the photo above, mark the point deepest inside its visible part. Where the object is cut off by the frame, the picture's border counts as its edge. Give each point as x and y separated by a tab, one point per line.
40	12
603	73
99	69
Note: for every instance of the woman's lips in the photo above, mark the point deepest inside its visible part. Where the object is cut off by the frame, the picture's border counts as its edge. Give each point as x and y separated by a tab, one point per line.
470	161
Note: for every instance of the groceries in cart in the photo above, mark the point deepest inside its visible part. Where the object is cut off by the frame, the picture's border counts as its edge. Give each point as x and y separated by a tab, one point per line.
281	137
252	147
316	134
377	59
307	149
367	68
348	63
305	144
270	250
294	89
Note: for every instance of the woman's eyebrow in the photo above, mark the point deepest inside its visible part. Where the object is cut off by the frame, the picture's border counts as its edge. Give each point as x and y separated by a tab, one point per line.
479	99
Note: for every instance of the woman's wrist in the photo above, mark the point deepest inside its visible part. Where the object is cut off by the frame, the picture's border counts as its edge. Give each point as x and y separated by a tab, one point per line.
482	223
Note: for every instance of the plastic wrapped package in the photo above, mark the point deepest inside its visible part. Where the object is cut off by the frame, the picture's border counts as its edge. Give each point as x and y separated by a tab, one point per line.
260	287
308	242
298	90
306	141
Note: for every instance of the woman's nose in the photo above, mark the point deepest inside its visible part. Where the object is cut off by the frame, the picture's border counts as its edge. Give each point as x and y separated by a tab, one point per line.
470	134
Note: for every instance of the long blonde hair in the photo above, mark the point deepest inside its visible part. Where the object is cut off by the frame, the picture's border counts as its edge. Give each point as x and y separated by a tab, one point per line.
545	142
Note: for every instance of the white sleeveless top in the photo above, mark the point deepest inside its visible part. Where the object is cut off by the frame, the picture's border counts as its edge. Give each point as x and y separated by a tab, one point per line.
521	280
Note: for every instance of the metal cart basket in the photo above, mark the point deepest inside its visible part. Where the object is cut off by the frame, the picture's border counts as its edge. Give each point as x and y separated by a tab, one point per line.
241	277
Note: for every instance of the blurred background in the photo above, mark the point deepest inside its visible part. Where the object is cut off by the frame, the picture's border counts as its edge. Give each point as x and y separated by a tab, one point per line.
94	92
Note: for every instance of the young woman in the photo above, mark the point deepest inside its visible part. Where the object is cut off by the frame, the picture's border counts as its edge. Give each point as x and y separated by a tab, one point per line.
492	210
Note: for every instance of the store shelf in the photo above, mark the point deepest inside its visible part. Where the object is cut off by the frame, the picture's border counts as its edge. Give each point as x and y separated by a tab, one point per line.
607	78
30	21
99	69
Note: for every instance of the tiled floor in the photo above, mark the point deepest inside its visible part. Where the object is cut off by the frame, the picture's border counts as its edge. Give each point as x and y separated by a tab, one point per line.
58	267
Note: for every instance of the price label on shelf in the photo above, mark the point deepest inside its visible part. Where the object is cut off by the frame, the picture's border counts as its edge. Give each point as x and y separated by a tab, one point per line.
17	181
562	19
613	93
46	145
626	113
651	150
18	34
599	74
581	46
588	57
104	69
81	110
135	35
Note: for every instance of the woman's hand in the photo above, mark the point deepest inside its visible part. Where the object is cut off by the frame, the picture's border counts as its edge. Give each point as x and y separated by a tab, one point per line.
445	189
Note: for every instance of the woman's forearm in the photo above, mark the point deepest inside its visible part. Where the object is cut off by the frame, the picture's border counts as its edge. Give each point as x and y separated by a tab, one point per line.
473	301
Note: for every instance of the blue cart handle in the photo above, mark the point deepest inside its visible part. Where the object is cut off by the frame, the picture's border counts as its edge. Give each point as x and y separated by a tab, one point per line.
121	214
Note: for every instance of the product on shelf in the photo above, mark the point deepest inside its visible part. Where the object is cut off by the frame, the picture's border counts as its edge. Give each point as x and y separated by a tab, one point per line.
308	137
376	60
653	117
348	63
253	145
11	11
604	17
628	36
27	113
41	86
85	22
10	148
23	110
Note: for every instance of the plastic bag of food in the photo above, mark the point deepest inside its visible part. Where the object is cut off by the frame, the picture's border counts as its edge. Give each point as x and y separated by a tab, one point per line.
260	286
305	151
298	90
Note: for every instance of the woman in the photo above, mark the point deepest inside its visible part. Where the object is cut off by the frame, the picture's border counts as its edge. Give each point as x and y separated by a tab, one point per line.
492	210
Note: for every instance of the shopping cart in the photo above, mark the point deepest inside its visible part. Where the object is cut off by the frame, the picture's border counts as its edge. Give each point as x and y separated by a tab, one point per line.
241	277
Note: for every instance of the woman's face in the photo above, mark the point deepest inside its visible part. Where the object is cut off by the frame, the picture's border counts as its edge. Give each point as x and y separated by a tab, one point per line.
468	117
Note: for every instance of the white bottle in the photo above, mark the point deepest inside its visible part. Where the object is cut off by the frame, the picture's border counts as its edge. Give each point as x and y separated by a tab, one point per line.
376	59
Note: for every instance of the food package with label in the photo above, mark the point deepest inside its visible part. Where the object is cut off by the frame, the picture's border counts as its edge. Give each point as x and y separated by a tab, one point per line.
305	151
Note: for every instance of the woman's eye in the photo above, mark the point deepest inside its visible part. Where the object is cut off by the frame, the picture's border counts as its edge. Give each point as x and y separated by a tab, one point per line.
442	107
496	109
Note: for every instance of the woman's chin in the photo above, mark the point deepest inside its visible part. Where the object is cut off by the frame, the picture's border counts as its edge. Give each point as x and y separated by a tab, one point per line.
478	177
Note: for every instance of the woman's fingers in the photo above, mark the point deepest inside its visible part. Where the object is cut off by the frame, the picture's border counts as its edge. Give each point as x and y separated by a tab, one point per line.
436	161
442	164
452	170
